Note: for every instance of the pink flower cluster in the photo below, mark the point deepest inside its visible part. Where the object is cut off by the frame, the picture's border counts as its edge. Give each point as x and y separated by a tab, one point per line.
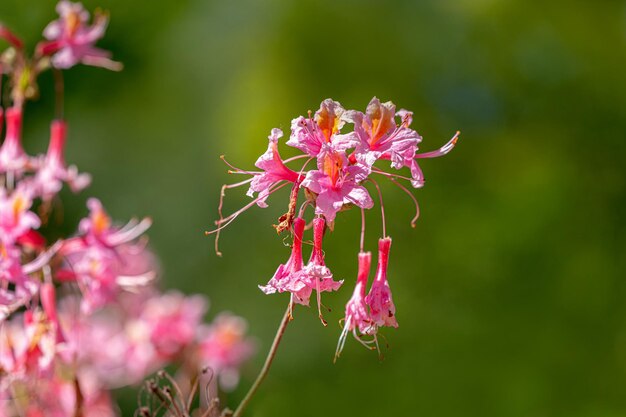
344	148
81	314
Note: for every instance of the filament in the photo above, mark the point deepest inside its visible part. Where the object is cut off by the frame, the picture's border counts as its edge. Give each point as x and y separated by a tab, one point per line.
382	206
410	194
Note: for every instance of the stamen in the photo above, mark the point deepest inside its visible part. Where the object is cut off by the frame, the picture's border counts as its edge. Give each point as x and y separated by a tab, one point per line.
319	301
361	244
223	223
293	158
342	340
390	175
221	204
382	206
243	171
410	194
443	150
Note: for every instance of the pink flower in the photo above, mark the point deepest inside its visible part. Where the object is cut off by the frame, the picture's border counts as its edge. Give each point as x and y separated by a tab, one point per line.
381	138
316	274
382	309
274	170
172	321
15	217
12	271
224	348
336	183
52	171
103	260
72	40
309	135
357	314
98	227
12	155
286	278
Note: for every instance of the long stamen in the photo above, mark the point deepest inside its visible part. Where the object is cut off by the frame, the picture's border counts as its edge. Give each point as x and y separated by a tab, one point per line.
382	206
228	220
319	301
293	158
390	175
361	243
253	202
221	204
59	92
443	150
342	340
410	194
223	158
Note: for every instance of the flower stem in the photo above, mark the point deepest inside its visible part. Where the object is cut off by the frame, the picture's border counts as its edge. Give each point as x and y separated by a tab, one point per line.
268	362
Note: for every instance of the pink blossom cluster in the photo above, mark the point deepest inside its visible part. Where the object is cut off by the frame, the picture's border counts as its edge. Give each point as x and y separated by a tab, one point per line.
81	314
343	152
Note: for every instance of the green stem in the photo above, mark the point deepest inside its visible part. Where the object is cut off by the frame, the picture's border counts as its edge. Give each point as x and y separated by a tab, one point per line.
268	362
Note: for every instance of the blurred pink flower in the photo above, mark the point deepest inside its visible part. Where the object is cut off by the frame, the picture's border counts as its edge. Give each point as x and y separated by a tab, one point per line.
103	260
52	171
172	320
382	309
224	347
15	217
12	155
72	40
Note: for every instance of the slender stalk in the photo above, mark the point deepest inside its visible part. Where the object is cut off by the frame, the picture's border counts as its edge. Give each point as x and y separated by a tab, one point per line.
268	362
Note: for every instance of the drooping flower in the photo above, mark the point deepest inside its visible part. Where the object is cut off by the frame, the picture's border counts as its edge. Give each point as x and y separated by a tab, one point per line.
286	278
224	347
336	183
310	134
382	309
52	171
12	155
357	316
274	170
72	40
315	274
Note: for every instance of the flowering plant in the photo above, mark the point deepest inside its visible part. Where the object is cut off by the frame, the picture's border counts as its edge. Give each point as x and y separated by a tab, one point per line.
82	314
341	150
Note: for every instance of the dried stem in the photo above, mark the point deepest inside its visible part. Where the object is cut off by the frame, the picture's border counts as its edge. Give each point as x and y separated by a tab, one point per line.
268	362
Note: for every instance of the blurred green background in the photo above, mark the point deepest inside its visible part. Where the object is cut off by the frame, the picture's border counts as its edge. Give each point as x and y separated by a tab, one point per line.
510	292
